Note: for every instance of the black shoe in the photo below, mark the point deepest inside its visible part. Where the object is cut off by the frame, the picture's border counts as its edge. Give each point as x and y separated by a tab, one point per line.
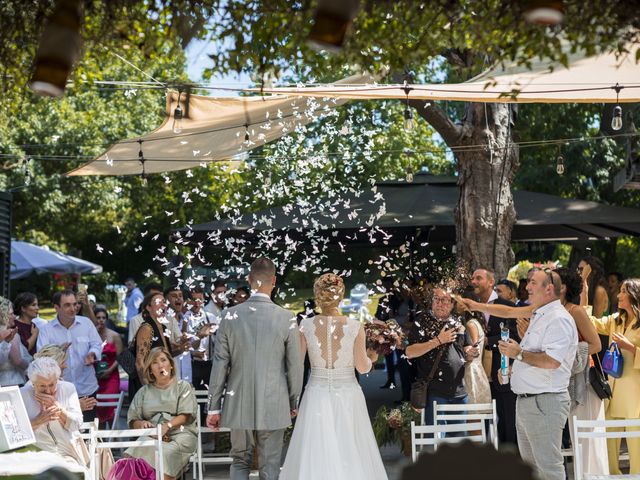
388	385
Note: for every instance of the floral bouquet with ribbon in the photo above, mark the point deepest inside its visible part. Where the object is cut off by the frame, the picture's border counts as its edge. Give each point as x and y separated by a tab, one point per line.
383	337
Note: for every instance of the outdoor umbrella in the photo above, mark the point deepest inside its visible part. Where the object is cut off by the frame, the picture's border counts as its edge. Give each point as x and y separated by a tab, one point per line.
27	259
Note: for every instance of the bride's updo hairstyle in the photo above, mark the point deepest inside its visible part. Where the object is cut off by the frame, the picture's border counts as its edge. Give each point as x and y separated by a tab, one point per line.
328	290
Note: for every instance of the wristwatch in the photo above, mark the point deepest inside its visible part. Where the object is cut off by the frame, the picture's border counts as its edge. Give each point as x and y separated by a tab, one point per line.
519	356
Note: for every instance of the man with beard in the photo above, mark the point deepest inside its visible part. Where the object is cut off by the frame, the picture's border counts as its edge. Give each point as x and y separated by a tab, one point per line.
482	282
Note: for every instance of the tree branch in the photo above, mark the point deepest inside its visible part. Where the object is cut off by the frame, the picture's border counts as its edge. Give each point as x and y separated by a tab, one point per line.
438	119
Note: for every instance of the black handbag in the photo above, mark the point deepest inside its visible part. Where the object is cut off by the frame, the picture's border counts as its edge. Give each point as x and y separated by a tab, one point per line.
127	360
418	395
598	381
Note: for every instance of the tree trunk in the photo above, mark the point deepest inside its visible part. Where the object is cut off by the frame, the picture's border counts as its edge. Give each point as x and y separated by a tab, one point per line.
485	214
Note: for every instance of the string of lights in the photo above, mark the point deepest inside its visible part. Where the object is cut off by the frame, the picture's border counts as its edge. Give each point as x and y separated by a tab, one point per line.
558	142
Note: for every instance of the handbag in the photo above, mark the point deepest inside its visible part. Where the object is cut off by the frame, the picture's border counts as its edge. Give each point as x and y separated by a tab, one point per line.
418	395
105	462
131	469
127	360
598	381
612	362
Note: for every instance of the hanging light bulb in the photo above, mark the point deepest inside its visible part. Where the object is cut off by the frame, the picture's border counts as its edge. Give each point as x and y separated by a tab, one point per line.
544	12
58	50
177	119
26	171
409	176
616	120
560	165
246	133
409	123
142	160
332	24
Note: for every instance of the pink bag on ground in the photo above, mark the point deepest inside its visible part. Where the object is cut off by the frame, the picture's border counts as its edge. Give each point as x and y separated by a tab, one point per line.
131	469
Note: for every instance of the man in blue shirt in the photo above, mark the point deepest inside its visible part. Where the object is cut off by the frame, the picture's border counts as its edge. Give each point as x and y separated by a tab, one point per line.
133	299
79	335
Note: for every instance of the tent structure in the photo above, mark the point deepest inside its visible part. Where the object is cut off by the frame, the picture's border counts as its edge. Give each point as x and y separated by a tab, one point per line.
424	209
215	128
27	259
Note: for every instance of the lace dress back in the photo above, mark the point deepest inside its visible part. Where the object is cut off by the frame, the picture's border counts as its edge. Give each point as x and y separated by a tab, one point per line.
330	342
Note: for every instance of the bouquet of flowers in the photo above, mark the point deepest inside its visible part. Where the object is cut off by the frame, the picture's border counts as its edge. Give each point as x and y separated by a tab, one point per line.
383	337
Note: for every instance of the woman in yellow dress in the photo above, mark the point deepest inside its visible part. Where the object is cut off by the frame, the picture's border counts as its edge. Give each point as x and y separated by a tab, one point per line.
624	328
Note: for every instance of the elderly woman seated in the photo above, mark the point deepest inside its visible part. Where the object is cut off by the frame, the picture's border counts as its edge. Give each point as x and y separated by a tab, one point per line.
60	354
54	410
168	401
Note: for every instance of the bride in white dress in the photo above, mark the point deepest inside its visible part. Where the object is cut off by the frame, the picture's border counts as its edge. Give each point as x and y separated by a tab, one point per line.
333	438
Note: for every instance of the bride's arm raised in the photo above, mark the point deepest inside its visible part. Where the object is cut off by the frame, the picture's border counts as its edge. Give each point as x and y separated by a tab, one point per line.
362	358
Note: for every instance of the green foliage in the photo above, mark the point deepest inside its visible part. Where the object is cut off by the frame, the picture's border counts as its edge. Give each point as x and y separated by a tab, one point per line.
590	166
436	39
409	34
392	425
627	258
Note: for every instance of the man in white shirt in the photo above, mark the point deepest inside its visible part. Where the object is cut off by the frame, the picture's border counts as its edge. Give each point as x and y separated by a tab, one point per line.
84	345
178	330
204	325
540	376
218	298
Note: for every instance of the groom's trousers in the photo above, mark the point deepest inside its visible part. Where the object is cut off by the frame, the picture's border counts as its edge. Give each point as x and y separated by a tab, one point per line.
268	444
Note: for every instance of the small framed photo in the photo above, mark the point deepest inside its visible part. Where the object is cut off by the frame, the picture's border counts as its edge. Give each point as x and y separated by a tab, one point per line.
15	427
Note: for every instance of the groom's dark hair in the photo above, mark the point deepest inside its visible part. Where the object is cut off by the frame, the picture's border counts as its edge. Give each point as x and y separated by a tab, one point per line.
262	270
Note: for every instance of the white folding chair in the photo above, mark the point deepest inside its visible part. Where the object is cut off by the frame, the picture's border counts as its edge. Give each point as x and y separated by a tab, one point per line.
104	439
434	435
471	411
198	459
111	400
86	428
589	429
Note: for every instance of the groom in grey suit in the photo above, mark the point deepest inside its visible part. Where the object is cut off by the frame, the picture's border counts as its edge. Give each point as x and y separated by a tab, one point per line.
256	376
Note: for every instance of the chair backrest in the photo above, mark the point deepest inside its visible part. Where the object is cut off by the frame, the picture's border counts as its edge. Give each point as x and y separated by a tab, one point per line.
434	435
470	412
587	429
123	439
202	396
86	428
111	400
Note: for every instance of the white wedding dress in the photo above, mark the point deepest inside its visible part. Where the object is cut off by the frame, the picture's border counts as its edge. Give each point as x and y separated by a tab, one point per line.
332	438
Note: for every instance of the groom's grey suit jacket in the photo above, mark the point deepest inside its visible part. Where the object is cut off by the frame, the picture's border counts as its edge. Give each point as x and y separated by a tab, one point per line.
257	359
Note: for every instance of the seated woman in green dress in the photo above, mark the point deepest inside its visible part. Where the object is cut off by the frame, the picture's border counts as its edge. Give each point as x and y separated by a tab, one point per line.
168	401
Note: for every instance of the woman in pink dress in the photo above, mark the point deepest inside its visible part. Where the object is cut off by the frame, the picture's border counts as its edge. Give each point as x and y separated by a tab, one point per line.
108	378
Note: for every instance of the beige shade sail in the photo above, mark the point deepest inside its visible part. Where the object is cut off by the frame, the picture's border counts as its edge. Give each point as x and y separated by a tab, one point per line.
584	80
215	127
